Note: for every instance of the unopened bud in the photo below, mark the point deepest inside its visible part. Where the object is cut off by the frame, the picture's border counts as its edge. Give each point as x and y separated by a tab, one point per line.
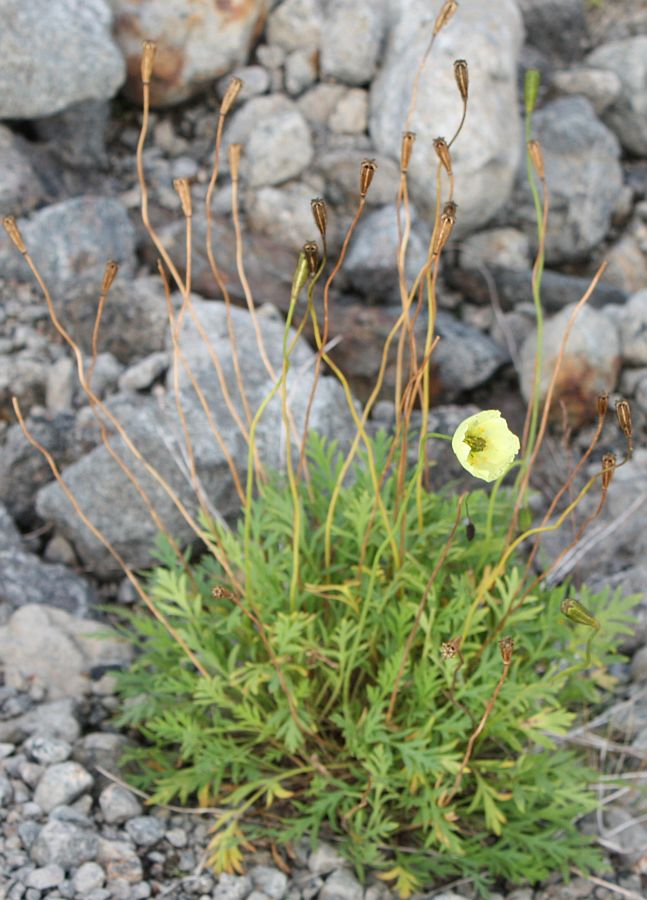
608	467
301	275
109	276
183	190
470	530
320	214
234	154
11	227
531	89
311	253
537	158
449	649
366	173
603	404
578	613
506	649
148	59
233	90
408	140
445	227
448	9
442	150
461	74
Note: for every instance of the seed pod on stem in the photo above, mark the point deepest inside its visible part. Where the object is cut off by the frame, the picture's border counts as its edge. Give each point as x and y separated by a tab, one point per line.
183	190
11	227
109	276
235	151
301	275
608	468
447	222
537	158
461	74
449	649
578	613
442	151
506	649
602	404
406	149
366	173
233	90
148	60
447	10
311	253
320	214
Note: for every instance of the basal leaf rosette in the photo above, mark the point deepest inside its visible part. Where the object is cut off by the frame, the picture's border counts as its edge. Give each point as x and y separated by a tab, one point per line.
484	445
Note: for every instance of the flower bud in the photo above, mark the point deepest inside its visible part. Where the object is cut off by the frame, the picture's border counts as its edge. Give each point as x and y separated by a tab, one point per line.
537	158
109	276
320	214
578	613
531	89
461	74
301	275
608	467
311	253
367	171
506	649
408	139
470	530
148	59
448	9
233	90
183	190
442	151
11	227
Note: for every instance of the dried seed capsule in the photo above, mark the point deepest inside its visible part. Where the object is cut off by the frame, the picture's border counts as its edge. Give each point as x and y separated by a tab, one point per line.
408	140
148	59
448	9
506	649
447	222
608	467
537	158
442	150
578	613
109	276
603	404
311	253
11	227
461	74
320	214
623	414
183	190
233	90
221	593
367	171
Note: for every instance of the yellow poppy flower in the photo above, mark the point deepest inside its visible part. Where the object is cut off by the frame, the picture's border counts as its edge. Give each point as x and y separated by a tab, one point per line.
484	445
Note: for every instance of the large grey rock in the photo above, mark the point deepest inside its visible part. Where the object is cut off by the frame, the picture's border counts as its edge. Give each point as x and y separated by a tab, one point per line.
23	470
584	177
25	579
276	140
65	844
556	27
351	39
20	189
54	719
295	24
73	239
56	650
55	54
486	155
627	115
600	86
590	366
633	329
341	885
283	212
61	784
120	860
194	47
96	479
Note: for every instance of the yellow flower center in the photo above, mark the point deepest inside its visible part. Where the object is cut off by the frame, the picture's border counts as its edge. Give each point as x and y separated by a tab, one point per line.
475	443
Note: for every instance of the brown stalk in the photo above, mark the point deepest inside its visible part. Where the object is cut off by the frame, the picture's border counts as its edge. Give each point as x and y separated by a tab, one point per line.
421	607
446	799
108	277
106	543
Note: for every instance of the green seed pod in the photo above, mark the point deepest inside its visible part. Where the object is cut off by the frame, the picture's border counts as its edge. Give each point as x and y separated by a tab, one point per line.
578	613
301	274
531	89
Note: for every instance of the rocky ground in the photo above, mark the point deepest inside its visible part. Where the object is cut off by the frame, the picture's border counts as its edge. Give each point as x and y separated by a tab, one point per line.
326	83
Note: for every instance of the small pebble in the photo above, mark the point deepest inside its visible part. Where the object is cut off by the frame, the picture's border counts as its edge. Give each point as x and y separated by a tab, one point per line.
118	804
46	877
88	877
